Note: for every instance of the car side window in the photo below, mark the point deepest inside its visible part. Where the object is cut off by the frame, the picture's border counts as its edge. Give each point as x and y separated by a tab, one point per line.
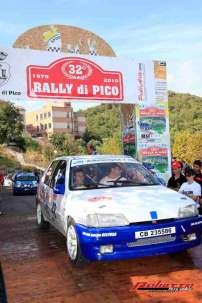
58	177
50	173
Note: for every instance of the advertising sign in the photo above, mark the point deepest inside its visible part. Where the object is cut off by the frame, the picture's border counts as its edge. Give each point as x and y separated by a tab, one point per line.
74	78
31	74
148	123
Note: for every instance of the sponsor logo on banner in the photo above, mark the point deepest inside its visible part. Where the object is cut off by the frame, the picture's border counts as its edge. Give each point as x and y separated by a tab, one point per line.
154	151
4	69
74	78
152	112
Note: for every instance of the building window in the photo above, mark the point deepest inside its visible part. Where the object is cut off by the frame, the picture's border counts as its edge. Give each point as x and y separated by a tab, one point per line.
45	126
41	125
37	117
49	125
45	115
41	116
67	125
49	114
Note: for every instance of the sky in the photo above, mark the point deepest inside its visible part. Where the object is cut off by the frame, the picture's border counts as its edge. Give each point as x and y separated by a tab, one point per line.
140	29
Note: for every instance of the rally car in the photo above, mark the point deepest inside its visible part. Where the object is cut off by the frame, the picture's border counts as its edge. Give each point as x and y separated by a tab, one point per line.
24	182
112	207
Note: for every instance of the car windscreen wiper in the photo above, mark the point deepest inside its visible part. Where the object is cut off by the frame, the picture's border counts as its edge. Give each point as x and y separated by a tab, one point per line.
95	183
131	183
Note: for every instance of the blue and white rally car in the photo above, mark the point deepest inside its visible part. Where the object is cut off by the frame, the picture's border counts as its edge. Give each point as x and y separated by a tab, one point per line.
24	182
112	207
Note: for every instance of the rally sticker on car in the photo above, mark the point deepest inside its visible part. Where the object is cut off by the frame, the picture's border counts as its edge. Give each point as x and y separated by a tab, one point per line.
155	232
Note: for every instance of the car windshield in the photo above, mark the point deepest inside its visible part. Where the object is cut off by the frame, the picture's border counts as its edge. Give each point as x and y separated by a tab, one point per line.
25	178
110	174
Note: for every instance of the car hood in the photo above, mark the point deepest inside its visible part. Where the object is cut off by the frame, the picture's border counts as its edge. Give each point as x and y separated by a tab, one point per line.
135	203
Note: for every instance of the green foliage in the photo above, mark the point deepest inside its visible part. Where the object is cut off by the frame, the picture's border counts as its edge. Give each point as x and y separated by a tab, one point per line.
185	113
11	126
112	145
65	145
88	136
103	121
48	153
31	144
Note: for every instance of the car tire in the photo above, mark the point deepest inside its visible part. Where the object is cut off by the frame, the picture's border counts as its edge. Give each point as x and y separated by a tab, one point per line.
41	222
73	246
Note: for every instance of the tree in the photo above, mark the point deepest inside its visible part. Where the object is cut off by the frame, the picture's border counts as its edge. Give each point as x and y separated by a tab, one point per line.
103	120
11	125
89	135
66	145
112	145
187	146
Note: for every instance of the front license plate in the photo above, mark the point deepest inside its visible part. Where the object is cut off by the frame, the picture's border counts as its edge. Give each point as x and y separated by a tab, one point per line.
155	232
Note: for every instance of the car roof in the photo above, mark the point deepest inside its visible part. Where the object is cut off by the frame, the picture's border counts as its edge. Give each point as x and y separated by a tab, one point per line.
99	157
25	174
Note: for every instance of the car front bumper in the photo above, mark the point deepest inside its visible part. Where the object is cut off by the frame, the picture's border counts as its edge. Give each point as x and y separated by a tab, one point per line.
25	190
126	246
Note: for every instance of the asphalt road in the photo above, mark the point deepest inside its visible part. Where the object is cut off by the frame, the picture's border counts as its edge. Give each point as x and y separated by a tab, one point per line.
36	268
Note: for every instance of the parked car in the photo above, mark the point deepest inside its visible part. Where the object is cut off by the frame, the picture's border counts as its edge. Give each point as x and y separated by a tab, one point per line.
24	182
112	207
8	181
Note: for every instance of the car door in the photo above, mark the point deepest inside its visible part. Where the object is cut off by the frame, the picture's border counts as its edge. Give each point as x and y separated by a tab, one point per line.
57	195
45	191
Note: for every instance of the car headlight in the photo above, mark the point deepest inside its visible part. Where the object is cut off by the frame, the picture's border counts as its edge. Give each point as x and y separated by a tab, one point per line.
18	185
188	211
34	183
106	220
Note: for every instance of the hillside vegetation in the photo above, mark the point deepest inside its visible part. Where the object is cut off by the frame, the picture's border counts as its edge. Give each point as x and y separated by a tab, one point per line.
185	112
104	131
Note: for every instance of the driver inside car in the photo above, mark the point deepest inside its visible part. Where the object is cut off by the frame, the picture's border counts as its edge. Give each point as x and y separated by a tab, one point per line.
79	179
114	174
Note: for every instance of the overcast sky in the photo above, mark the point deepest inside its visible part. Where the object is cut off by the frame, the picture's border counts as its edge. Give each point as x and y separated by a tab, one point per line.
169	30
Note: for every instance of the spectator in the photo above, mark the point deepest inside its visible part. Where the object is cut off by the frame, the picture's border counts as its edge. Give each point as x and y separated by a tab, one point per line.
1	187
177	178
91	149
191	188
37	175
197	165
1	181
184	166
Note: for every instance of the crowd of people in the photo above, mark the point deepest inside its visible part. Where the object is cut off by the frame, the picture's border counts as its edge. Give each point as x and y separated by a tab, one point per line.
187	179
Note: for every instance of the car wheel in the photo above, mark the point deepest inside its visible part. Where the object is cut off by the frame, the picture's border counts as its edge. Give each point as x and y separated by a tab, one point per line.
40	218
73	246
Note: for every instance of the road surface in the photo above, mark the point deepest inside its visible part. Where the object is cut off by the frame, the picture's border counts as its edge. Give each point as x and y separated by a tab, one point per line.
36	269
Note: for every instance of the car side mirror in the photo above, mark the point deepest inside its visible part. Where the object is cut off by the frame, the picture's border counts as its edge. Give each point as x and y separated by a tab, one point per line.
59	189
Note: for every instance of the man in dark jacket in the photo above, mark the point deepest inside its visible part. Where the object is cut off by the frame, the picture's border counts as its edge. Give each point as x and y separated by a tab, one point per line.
177	178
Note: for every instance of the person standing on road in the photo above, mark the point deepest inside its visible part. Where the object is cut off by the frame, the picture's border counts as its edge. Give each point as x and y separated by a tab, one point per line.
197	165
1	188
1	181
191	188
177	178
91	149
